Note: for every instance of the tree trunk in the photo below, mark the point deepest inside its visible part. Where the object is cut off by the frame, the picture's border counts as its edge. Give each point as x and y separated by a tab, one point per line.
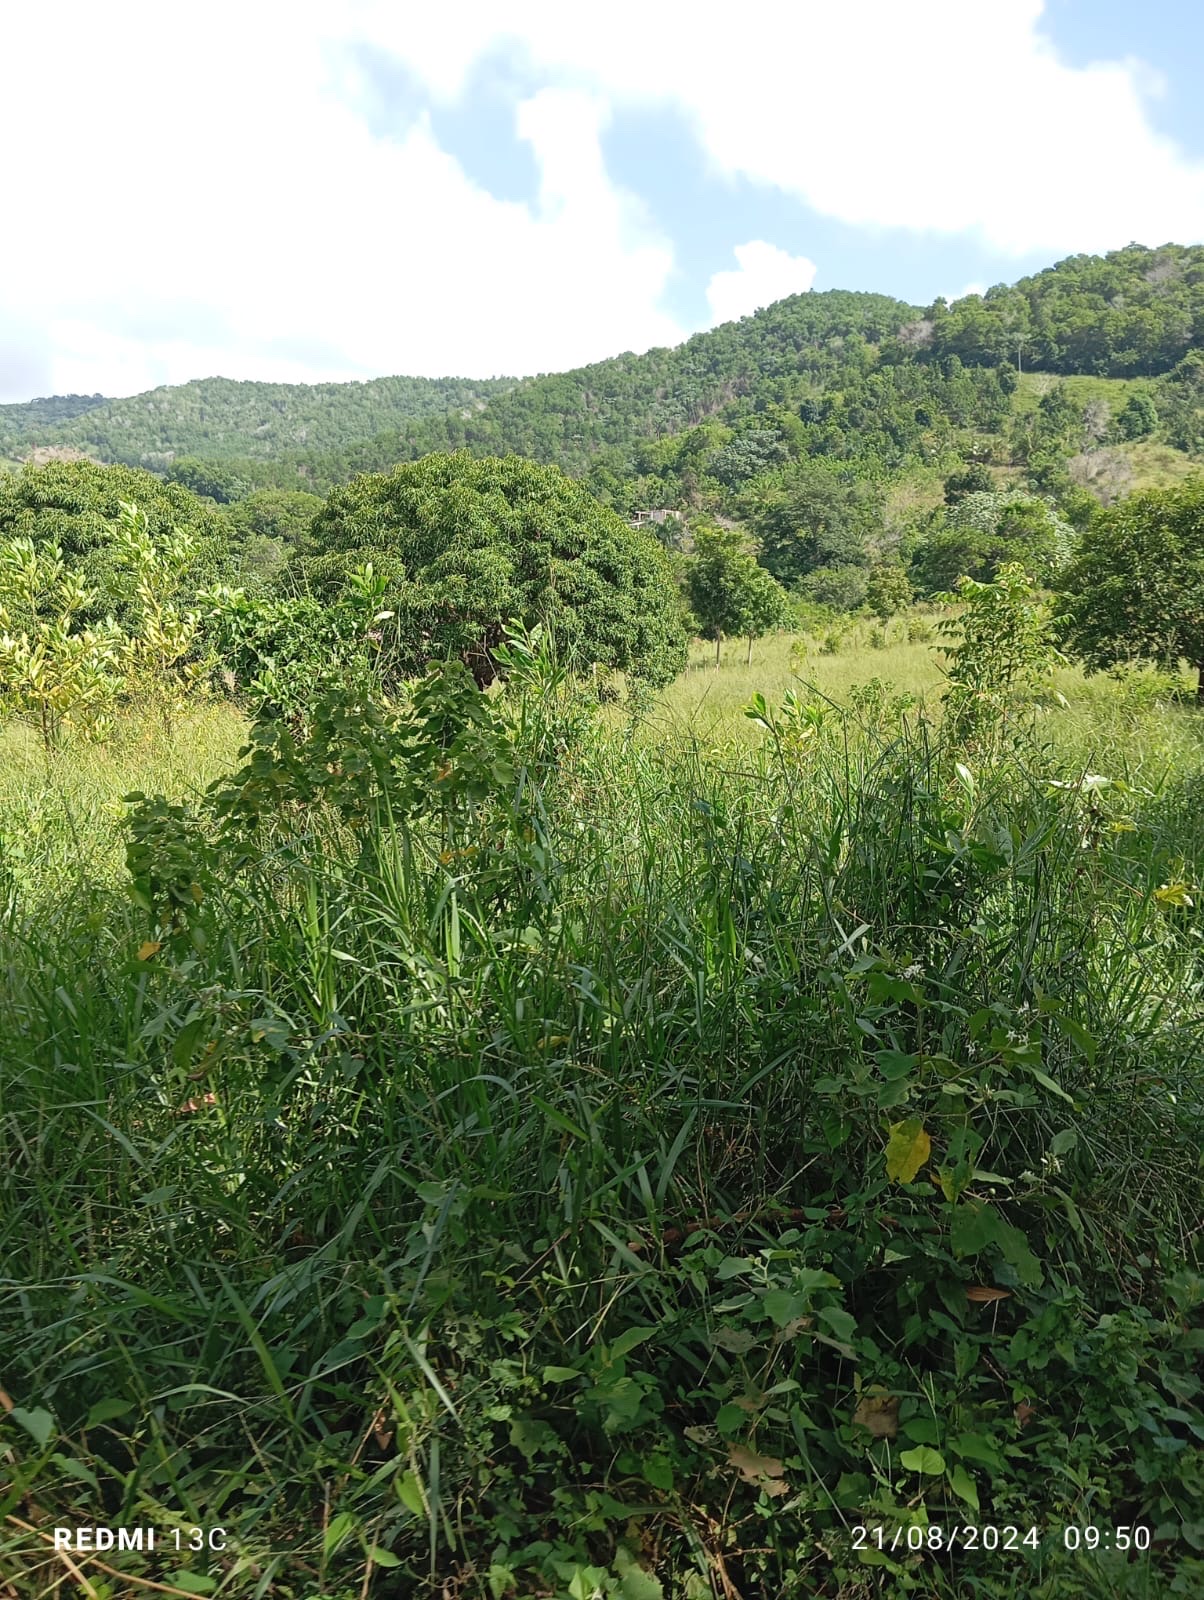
718	647
1200	685
748	657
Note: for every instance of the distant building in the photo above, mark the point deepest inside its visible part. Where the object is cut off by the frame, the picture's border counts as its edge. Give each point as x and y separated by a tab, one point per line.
663	514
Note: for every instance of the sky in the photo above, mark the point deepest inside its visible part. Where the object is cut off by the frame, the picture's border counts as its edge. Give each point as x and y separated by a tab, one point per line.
306	191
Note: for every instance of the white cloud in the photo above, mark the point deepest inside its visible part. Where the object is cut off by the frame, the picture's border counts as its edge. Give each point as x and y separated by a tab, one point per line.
202	192
931	115
765	274
223	218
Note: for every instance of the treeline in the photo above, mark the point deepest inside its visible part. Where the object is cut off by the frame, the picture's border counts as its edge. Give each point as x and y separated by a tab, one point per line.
1132	313
221	419
34	420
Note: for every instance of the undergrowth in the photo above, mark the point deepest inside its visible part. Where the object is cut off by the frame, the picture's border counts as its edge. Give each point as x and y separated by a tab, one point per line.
499	1150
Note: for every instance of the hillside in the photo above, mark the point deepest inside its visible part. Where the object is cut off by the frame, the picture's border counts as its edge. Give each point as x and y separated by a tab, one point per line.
1134	312
34	422
221	419
1032	381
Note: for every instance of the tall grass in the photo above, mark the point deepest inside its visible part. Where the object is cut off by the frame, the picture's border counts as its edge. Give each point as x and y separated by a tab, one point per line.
495	1204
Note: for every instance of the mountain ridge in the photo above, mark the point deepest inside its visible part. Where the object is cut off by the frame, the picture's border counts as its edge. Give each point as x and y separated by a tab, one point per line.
844	366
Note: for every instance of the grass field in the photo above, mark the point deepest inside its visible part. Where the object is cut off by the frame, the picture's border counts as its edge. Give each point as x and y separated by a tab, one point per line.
617	1158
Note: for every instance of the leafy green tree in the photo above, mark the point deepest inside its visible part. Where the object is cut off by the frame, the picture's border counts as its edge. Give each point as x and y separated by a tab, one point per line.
836	588
984	531
211	480
816	517
1181	404
754	451
1003	652
1138	417
469	545
972	479
1135	590
162	663
74	505
267	530
730	592
54	673
277	656
888	590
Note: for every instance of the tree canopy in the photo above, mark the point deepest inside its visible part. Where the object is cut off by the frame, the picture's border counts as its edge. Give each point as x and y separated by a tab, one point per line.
1135	589
728	589
73	505
469	545
983	531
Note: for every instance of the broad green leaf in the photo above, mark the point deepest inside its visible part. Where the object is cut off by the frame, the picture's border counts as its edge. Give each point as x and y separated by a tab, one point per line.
383	1558
972	1228
38	1424
106	1410
628	1341
637	1584
731	1418
1014	1248
783	1306
193	1582
76	1469
841	1322
963	1485
658	1471
341	1527
923	1459
409	1492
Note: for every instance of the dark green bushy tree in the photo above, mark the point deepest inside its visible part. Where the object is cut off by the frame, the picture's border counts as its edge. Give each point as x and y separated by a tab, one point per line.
470	545
983	531
972	479
816	517
267	529
212	480
1138	417
1135	590
1181	404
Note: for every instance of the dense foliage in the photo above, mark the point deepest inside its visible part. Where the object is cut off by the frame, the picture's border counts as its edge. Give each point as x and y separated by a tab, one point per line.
26	421
470	546
1135	590
502	1154
73	505
1133	311
221	419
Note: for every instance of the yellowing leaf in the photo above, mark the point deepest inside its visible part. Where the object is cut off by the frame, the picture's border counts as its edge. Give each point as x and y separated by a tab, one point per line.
907	1150
763	1471
879	1413
148	949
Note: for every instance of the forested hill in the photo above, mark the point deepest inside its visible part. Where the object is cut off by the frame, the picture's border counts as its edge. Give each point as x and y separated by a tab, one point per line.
1132	313
784	356
857	378
30	422
220	419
